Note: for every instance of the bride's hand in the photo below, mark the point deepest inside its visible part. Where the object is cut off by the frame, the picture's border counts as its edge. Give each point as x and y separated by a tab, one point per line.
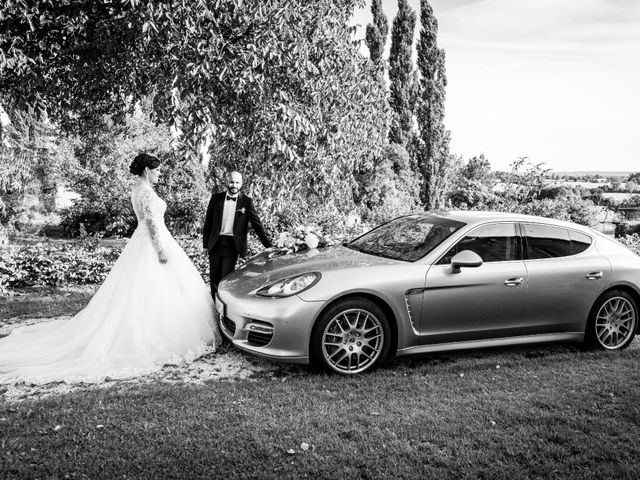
162	257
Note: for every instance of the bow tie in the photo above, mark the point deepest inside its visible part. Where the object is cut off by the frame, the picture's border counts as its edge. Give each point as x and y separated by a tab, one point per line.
229	198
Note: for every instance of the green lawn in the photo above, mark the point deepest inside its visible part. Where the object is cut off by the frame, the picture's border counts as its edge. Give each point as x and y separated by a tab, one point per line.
551	411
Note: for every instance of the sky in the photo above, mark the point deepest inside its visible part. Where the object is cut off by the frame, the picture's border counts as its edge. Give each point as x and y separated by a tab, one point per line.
557	81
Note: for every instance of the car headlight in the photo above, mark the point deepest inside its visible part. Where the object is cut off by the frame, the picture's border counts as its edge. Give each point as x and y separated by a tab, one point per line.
290	286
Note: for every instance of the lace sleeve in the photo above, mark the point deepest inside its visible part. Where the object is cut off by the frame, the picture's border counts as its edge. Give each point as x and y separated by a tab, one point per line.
146	208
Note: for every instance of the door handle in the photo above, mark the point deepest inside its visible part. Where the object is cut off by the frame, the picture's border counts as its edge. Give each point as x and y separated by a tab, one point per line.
594	275
514	281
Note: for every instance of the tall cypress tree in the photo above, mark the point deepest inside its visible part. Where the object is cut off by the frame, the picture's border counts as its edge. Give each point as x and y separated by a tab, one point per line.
400	73
433	141
376	36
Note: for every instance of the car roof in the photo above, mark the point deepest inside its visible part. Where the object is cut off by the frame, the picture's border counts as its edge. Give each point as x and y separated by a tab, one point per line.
476	217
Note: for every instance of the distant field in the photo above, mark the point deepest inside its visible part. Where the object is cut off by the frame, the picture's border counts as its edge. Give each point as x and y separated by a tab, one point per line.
603	173
618	197
580	184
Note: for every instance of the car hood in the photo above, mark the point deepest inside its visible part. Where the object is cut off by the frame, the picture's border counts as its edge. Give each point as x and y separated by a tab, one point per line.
261	270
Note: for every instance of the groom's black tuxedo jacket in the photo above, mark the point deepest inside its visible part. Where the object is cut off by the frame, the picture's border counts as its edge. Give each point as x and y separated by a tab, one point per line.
245	213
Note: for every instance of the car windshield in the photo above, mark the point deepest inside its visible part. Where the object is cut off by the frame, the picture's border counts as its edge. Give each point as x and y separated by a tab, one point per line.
406	238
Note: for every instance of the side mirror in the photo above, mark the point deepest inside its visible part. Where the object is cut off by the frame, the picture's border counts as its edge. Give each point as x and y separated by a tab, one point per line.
465	258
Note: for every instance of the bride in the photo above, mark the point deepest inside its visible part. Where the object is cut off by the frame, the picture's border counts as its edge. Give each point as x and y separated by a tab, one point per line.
152	309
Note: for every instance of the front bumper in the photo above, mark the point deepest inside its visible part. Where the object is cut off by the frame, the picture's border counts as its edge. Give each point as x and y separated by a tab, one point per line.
274	328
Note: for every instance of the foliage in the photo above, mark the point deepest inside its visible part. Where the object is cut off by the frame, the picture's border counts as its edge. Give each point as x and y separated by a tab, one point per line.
277	89
102	179
78	262
523	184
473	186
625	229
34	160
577	210
393	189
630	207
525	192
401	80
433	140
634	177
632	242
183	187
88	261
56	264
376	34
102	215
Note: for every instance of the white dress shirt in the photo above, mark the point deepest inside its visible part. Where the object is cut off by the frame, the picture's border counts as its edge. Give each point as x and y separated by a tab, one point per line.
228	215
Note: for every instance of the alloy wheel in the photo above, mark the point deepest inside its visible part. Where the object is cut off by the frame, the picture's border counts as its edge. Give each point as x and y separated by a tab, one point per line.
352	341
615	322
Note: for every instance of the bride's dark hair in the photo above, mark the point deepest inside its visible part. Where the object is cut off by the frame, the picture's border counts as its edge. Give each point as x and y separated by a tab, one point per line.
142	161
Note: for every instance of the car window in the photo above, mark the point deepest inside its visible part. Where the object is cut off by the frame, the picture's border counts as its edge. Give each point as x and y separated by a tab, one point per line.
546	241
498	242
579	242
406	238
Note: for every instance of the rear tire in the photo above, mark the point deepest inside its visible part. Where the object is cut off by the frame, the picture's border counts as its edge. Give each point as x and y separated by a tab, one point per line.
353	336
613	321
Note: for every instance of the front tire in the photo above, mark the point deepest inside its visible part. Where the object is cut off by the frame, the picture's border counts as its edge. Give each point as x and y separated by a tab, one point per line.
613	321
352	336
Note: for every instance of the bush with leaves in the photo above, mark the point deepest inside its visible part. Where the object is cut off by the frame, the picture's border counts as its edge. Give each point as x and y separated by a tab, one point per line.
74	262
392	189
632	242
56	264
183	187
275	89
576	210
104	183
473	185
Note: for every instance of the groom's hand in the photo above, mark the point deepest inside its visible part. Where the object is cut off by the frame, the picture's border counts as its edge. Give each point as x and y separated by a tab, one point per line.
162	257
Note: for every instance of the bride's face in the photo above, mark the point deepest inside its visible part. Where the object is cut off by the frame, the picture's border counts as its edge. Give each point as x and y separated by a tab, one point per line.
153	175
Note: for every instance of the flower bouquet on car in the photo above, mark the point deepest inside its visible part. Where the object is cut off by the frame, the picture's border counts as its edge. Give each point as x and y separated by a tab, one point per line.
309	237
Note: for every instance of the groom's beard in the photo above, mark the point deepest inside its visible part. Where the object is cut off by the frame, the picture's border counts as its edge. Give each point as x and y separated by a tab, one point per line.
233	190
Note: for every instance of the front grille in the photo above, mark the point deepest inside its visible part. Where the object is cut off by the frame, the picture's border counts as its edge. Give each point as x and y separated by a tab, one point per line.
229	325
259	339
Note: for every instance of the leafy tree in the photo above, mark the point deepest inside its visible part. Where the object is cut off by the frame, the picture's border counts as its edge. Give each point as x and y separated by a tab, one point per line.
402	92
433	141
578	210
377	30
473	186
523	184
634	177
102	179
392	190
34	159
276	88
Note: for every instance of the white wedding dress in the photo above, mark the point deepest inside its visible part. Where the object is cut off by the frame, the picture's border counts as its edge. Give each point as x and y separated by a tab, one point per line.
145	315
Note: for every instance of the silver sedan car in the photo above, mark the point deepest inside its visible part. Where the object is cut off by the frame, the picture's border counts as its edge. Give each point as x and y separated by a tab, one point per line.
434	281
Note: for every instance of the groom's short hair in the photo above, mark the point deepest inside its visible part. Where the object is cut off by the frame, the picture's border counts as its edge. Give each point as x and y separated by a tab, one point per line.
230	174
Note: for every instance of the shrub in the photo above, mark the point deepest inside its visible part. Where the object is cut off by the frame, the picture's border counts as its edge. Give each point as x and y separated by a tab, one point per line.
80	262
89	261
626	228
632	242
102	216
55	264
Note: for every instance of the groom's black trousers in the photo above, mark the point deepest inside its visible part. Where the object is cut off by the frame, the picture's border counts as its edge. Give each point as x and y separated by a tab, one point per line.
222	261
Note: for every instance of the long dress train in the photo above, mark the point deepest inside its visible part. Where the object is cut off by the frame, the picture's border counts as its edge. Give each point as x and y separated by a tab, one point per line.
145	315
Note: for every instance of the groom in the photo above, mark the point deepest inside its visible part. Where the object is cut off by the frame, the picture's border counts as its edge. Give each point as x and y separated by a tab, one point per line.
225	229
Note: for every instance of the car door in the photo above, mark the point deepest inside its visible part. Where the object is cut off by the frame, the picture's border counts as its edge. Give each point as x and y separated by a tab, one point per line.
565	276
481	302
